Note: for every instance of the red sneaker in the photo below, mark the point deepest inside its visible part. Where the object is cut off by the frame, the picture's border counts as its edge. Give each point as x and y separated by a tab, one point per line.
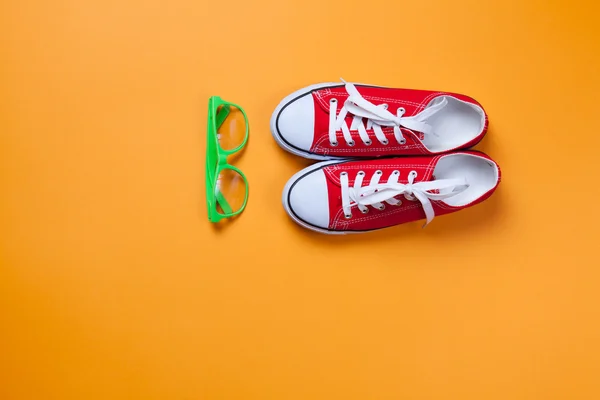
333	120
338	197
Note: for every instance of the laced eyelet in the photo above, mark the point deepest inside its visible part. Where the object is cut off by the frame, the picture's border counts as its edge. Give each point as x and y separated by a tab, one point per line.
344	173
381	208
364	212
333	100
385	106
369	142
396	172
403	141
401	110
334	144
413	173
399	203
361	173
347	216
378	172
385	142
351	143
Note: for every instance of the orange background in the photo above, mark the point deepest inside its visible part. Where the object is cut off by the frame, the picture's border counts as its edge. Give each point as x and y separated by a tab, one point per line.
114	285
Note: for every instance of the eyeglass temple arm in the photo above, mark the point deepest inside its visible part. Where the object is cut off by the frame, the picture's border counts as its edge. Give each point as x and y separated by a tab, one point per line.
222	115
222	202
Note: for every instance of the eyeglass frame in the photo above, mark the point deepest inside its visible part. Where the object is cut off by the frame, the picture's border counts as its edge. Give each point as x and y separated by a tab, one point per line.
216	159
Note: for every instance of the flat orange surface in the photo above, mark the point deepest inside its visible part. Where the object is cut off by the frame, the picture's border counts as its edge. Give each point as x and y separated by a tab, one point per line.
113	284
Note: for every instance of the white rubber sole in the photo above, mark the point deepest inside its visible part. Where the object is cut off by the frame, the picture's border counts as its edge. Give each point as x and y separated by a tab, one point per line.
283	103
288	187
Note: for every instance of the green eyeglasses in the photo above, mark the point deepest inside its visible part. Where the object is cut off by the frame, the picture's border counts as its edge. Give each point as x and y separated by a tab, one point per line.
226	185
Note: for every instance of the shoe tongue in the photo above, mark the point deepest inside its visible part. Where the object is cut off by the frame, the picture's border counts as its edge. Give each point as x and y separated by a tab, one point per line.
433	108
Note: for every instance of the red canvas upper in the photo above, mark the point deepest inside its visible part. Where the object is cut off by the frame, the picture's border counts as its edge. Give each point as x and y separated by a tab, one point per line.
413	101
392	215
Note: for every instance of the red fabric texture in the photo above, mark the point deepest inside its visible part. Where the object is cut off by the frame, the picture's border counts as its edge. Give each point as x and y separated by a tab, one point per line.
408	211
413	101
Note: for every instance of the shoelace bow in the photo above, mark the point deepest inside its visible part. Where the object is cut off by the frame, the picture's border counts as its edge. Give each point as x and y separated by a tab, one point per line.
377	116
375	194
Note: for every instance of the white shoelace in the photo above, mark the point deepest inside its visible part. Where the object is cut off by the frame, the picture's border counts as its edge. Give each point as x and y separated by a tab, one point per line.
375	194
377	116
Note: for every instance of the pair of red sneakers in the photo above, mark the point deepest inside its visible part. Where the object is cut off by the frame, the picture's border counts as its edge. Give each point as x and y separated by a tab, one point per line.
390	156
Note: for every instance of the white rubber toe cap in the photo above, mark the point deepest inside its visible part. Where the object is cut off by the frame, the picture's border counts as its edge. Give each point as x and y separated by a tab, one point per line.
296	123
308	199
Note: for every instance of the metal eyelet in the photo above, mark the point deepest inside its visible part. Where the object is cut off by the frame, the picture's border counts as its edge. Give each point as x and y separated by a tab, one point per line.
361	173
381	208
399	203
334	144
396	172
401	110
413	173
369	142
385	142
344	173
403	141
379	172
333	100
347	216
351	143
385	106
365	212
